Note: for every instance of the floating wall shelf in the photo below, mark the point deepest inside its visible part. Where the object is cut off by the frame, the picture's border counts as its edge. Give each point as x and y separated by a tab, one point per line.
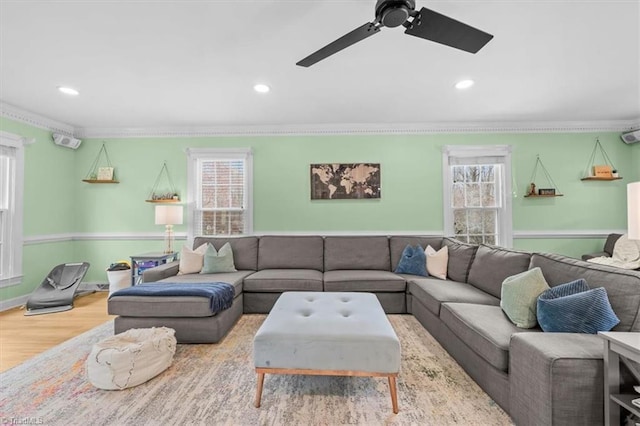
99	181
601	178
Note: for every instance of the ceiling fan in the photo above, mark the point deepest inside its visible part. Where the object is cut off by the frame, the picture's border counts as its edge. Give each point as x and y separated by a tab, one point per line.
425	23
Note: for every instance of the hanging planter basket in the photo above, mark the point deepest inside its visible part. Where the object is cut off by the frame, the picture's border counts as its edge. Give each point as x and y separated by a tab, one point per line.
603	171
168	196
101	172
550	191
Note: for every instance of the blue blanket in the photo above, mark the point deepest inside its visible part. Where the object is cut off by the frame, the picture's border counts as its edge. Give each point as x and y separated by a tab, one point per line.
220	294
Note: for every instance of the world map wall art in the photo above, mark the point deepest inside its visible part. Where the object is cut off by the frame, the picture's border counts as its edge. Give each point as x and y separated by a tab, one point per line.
345	181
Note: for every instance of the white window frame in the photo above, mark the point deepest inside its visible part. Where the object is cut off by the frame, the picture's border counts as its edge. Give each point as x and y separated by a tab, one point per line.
13	261
194	156
505	218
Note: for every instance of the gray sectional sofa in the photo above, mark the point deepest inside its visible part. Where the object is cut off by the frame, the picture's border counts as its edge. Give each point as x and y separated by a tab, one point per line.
538	378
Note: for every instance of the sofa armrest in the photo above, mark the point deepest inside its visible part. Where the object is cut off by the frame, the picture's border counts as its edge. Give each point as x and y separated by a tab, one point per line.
556	379
594	255
161	272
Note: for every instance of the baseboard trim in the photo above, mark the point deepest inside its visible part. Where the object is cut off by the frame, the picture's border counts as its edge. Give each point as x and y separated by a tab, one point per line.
5	305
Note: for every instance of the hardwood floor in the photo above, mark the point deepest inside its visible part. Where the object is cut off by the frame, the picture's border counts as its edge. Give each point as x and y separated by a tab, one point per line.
23	337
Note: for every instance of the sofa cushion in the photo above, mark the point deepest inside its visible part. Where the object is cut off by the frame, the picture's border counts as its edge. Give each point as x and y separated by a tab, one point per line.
279	280
492	264
460	258
245	249
432	292
233	278
343	280
574	308
519	297
413	261
485	329
175	306
371	252
290	252
398	243
623	287
218	261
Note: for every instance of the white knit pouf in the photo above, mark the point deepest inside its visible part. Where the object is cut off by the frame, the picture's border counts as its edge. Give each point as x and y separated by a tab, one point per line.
131	358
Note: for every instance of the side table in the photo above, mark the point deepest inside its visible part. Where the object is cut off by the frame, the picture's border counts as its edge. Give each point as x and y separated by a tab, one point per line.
142	262
618	345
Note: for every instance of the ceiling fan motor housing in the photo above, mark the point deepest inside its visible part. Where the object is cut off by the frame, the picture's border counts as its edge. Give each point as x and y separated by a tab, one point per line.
393	13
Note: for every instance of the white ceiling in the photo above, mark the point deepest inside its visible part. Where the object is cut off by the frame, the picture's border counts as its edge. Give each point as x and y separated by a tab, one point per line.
190	64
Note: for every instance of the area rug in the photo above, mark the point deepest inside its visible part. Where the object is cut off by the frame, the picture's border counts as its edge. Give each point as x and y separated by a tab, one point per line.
215	384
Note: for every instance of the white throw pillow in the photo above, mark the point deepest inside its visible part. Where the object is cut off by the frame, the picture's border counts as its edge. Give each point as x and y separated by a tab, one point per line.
437	261
191	261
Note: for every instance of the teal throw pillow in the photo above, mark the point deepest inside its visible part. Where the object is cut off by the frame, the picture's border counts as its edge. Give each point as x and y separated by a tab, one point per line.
574	308
413	261
519	296
216	261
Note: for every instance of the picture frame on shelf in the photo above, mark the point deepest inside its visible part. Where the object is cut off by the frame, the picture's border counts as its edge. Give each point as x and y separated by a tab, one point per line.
105	173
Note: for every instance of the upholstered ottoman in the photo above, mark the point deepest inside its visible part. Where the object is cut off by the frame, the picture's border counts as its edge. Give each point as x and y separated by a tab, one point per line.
131	358
337	334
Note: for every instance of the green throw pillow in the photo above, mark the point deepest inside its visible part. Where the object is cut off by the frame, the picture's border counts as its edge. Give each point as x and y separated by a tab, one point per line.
519	296
218	261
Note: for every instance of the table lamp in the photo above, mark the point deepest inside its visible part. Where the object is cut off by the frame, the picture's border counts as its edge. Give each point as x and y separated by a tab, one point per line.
633	211
168	216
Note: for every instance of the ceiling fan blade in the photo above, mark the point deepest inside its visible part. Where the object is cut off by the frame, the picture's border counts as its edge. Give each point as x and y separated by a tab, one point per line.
345	41
436	27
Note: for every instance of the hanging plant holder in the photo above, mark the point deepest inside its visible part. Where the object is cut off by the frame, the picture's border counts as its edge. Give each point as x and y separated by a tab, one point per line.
550	191
101	172
605	171
165	196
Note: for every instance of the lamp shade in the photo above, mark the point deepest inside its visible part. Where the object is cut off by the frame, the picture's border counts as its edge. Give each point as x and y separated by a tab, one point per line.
168	215
633	210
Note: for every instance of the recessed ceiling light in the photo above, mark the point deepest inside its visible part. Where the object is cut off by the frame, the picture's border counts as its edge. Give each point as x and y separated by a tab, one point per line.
68	91
464	84
261	88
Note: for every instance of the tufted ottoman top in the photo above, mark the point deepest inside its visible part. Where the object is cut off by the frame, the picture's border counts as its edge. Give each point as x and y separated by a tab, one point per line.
327	331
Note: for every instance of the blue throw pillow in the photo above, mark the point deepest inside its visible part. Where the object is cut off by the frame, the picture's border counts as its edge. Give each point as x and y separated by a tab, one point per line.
413	261
574	308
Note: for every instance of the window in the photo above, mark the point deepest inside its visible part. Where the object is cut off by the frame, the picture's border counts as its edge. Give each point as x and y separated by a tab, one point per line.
477	189
11	181
220	196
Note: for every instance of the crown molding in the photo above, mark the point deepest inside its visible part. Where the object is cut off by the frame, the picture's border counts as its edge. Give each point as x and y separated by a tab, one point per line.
31	118
362	129
18	114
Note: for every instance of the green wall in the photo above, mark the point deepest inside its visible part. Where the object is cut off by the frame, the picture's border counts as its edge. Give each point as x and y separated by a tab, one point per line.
49	205
411	189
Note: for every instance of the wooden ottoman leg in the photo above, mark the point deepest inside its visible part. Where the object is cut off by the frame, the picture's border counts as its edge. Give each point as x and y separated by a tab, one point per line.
394	394
259	389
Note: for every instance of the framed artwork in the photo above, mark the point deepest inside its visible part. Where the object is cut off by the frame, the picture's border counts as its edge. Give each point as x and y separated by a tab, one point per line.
345	181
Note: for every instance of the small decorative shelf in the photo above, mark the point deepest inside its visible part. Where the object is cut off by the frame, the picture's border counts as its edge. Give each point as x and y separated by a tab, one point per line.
601	178
551	191
607	171
99	181
170	196
101	174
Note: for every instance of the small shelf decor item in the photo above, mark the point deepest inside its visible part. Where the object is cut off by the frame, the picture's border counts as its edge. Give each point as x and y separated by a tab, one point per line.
605	171
100	173
551	191
168	196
